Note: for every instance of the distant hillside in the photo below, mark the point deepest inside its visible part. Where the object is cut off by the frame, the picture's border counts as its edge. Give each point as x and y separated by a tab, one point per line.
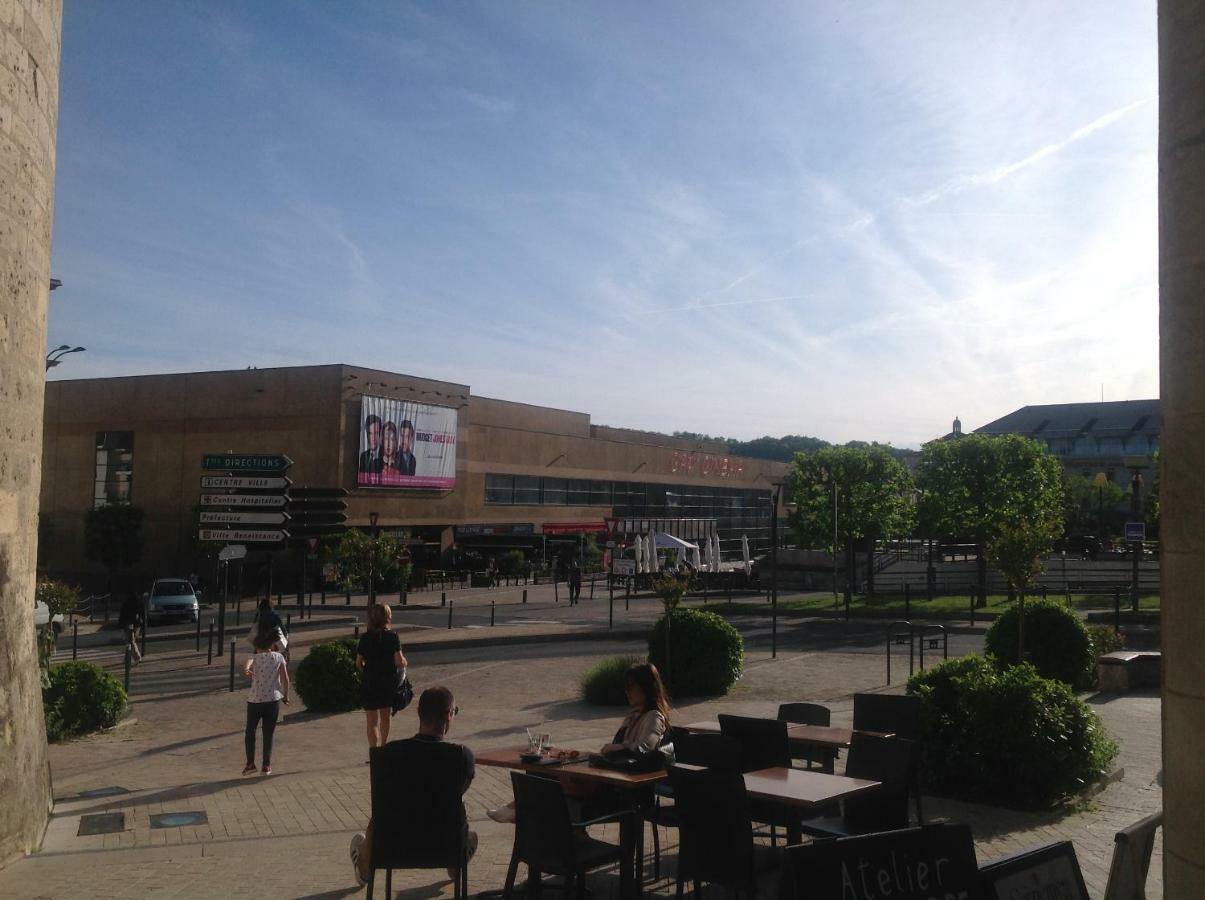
782	449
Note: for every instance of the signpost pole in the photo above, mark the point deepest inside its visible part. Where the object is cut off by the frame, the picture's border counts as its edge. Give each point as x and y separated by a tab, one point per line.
222	605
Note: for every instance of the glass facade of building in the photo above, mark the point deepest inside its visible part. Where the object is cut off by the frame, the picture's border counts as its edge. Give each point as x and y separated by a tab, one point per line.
737	511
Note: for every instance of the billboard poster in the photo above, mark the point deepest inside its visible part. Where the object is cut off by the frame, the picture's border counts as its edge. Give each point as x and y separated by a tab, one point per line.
406	445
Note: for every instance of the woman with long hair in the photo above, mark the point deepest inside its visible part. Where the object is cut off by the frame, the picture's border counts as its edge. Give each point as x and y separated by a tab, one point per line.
381	664
645	726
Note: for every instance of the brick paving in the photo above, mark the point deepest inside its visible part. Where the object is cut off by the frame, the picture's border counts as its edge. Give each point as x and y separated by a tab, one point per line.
287	835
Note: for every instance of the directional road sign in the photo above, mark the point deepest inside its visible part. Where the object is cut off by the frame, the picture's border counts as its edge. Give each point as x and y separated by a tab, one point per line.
244	518
269	463
244	482
1135	531
232	551
317	511
263	501
242	535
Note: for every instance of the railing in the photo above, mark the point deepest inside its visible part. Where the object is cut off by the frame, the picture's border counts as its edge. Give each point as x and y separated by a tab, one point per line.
900	632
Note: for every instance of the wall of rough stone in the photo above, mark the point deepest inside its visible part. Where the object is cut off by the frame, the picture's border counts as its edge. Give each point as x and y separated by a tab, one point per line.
29	89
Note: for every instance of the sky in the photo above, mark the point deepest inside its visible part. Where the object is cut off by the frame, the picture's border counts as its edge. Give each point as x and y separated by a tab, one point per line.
853	221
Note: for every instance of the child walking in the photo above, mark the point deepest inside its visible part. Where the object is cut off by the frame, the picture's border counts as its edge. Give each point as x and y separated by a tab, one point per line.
269	676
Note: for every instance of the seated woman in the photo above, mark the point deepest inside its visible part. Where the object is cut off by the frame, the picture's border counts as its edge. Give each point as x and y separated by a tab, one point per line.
642	730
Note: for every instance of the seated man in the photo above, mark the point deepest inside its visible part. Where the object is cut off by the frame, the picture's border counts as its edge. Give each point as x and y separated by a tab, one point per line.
436	709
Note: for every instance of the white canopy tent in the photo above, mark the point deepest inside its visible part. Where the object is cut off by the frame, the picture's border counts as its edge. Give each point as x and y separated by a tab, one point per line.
745	553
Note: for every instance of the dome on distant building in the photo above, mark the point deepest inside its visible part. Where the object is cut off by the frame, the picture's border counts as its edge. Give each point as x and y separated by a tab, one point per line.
957	426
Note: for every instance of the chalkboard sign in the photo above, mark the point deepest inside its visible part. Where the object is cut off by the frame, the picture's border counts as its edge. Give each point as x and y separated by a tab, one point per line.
1049	872
933	862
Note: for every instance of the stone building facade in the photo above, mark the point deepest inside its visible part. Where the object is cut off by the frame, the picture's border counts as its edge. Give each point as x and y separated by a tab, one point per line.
29	85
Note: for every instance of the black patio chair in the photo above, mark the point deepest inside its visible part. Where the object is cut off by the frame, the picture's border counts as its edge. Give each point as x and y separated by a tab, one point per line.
711	751
889	760
764	745
897	714
416	775
548	840
716	831
810	714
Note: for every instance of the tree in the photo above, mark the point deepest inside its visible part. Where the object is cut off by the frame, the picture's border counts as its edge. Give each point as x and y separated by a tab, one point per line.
113	536
874	493
1089	504
973	486
1016	550
60	599
364	559
1152	501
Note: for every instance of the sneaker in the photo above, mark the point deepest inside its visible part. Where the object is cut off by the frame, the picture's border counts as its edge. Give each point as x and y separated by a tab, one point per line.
249	768
503	814
353	851
267	770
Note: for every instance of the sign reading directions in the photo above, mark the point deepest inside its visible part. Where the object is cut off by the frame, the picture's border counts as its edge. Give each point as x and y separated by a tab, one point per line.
276	464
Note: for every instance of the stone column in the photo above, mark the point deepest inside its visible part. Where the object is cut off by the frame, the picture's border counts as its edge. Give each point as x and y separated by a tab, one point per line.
29	96
1182	443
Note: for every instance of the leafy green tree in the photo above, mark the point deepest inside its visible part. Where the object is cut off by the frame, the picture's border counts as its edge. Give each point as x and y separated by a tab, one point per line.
975	486
113	536
874	493
1016	550
1090	504
365	559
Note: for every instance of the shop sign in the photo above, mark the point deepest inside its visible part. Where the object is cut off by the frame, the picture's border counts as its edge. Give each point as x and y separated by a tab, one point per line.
573	527
705	465
487	530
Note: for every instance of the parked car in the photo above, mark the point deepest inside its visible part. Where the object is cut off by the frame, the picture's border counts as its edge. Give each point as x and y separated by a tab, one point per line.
1083	545
172	598
41	615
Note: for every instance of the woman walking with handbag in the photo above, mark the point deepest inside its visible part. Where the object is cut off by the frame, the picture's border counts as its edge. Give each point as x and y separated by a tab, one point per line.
382	667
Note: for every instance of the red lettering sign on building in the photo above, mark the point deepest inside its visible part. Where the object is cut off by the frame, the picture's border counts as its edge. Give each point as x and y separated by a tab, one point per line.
704	464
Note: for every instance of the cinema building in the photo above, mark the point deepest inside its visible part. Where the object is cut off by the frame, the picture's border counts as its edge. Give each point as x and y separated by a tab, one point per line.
445	470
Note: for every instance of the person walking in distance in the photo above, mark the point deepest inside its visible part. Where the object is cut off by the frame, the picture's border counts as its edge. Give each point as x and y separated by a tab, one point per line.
129	620
382	666
269	688
575	582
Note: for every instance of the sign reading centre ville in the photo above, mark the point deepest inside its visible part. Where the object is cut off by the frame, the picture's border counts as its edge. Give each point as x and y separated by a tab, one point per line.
404	444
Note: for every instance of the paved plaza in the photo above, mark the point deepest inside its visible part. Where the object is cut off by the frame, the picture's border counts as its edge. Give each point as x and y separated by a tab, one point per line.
287	835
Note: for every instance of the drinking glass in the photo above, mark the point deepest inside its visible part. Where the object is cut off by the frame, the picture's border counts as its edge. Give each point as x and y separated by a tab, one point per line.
533	742
545	743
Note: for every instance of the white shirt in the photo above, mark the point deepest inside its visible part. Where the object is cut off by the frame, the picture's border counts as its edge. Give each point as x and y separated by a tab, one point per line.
265	677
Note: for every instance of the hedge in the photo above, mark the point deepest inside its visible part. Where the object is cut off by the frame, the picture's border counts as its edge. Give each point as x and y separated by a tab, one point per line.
1057	643
603	682
327	680
81	698
706	655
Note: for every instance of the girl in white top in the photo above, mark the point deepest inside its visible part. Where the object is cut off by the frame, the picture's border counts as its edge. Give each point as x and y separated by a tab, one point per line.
269	676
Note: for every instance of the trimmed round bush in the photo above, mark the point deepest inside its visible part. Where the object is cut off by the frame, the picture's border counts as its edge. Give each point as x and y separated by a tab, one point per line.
1056	641
327	680
1007	736
602	683
81	698
706	653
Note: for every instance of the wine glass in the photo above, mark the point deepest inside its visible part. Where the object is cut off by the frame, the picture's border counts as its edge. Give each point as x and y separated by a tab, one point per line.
545	743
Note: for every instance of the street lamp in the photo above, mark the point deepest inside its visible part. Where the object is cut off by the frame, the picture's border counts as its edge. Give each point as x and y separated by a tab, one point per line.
372	560
55	356
1100	481
1135	546
777	485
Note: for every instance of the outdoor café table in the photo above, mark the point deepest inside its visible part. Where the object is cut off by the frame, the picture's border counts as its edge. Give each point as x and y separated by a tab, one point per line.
801	737
803	789
580	772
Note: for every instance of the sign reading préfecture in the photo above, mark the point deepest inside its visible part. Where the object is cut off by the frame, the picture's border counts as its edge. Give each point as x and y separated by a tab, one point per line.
276	464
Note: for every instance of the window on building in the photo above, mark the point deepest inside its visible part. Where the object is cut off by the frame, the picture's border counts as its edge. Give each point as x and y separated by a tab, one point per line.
500	489
600	493
114	467
579	492
555	492
527	490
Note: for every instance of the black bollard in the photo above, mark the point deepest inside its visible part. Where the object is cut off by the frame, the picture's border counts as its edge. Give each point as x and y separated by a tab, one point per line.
142	644
1117	611
592	580
405	597
238	612
74	637
449	615
524	595
1043	592
611	611
126	680
972	609
556	594
357	632
443	598
106	607
232	643
491	614
908	602
209	658
324	594
347	597
198	631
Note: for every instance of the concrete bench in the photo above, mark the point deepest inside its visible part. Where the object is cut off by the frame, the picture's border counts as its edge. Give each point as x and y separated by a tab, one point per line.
1124	670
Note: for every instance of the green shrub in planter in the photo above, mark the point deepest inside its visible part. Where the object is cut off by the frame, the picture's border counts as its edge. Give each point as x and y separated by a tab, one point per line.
1104	640
1007	736
81	698
1056	641
327	680
602	683
706	653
